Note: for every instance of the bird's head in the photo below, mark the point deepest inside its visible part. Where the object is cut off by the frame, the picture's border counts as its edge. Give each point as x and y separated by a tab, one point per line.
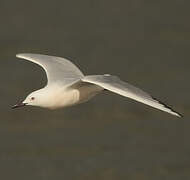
33	99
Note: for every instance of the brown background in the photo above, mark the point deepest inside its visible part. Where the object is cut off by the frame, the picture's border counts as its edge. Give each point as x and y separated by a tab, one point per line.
143	42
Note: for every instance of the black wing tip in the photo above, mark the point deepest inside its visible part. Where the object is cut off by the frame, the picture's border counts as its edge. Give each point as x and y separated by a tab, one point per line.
165	105
178	114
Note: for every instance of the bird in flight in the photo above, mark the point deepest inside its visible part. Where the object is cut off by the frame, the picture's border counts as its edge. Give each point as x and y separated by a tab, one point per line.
67	86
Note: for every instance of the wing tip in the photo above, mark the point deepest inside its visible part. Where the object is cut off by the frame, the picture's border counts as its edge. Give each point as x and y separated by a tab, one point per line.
27	56
18	55
176	114
21	55
172	111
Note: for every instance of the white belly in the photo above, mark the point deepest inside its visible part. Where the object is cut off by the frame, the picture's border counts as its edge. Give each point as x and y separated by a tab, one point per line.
69	97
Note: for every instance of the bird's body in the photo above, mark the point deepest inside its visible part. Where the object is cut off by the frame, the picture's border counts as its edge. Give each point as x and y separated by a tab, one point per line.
68	86
57	97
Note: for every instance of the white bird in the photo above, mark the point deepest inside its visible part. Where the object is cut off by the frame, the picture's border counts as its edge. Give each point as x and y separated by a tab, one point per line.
67	86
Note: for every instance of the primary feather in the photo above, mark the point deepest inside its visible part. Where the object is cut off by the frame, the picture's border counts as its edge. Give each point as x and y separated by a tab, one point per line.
114	84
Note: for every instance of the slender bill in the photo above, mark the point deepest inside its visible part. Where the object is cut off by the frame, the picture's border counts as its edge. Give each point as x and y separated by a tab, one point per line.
18	105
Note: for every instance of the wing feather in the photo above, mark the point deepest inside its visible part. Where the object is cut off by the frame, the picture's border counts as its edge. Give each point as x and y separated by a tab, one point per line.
57	69
114	84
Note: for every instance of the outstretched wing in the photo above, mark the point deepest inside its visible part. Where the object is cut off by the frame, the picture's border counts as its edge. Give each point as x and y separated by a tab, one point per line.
114	84
58	70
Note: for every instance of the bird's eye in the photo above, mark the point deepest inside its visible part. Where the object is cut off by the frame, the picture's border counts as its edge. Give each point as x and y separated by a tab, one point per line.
32	98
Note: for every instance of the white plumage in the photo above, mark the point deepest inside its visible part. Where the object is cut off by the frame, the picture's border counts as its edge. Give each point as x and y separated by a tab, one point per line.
68	86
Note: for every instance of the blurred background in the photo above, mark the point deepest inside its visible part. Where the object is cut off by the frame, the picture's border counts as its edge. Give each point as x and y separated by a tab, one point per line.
145	43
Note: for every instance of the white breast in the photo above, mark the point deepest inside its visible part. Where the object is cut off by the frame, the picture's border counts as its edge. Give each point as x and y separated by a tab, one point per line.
68	97
63	98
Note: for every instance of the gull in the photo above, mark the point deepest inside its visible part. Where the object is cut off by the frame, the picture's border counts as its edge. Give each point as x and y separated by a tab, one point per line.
67	86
